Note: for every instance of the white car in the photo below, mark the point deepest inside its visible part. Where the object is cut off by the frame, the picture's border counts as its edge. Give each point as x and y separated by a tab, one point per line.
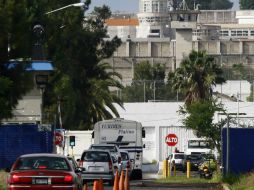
176	158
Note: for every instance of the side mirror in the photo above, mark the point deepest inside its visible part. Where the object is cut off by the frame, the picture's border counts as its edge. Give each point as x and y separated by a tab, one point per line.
132	160
78	160
144	146
79	170
143	132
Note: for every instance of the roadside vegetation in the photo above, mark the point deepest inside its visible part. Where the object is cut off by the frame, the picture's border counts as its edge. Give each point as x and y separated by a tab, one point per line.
240	182
185	180
3	177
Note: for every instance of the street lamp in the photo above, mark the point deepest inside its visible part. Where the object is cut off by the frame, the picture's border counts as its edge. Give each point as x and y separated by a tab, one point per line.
71	5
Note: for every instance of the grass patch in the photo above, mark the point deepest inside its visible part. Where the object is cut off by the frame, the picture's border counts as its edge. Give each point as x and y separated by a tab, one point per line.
184	180
3	179
244	182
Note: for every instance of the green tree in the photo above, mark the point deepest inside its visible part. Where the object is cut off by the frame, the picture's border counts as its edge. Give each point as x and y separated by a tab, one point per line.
82	79
76	47
196	76
199	117
246	4
15	45
148	81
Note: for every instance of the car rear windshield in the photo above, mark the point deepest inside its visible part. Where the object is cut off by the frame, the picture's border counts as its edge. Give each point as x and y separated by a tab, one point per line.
95	156
110	148
46	163
179	156
124	156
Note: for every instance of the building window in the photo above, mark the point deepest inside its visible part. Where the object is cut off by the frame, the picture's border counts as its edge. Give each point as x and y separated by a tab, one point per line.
155	7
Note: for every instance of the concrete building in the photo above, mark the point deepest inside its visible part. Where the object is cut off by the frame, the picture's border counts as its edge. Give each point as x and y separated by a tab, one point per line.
164	35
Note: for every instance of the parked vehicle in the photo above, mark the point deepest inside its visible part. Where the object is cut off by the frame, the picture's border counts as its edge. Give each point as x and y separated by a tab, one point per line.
198	146
97	164
127	135
114	151
207	166
125	162
43	171
194	159
177	159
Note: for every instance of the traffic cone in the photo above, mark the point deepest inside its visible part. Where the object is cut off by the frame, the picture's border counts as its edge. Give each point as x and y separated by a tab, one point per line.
116	182
121	182
101	184
96	185
126	181
85	187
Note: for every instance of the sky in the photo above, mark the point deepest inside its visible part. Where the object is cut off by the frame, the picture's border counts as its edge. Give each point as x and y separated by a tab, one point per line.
131	6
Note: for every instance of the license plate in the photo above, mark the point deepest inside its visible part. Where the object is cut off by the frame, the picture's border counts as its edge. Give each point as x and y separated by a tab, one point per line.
95	169
41	181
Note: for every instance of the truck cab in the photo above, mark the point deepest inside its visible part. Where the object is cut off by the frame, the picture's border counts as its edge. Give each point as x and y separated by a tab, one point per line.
198	146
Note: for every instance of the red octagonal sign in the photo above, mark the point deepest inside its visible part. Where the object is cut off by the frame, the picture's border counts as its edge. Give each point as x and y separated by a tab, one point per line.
171	139
58	138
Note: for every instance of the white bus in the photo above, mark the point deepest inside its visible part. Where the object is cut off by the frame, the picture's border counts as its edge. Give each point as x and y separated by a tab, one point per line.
127	135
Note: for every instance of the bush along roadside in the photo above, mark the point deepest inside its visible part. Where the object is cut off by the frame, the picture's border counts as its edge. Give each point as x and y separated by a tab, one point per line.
3	179
240	182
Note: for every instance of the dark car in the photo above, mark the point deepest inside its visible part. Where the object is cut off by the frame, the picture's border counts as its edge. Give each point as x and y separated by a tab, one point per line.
43	171
194	159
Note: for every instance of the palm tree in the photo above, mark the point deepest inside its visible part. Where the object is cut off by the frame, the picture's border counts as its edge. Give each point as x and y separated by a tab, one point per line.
196	76
101	99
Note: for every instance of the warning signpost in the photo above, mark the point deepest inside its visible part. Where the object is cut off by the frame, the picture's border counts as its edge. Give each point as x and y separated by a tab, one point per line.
58	138
171	139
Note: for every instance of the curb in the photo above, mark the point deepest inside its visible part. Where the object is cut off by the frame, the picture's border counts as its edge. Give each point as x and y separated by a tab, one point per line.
177	185
225	186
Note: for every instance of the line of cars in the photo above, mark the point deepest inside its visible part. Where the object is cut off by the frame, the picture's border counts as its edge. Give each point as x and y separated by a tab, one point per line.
53	171
197	161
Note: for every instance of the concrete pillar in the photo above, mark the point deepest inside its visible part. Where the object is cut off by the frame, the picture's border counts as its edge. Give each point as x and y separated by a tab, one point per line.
127	49
149	49
240	47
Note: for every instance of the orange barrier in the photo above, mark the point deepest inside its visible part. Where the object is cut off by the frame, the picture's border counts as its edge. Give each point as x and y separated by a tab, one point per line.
85	187
101	184
96	185
126	181
116	182
121	182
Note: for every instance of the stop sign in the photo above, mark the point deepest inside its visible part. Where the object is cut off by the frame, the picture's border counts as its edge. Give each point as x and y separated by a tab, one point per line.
171	139
58	138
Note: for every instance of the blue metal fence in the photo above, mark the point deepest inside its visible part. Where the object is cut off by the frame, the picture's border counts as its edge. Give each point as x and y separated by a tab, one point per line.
241	152
18	139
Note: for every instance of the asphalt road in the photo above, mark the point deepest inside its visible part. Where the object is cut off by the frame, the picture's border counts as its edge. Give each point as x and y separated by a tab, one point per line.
148	184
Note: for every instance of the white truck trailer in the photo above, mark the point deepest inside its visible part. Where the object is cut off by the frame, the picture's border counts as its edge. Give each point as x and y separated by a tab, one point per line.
127	135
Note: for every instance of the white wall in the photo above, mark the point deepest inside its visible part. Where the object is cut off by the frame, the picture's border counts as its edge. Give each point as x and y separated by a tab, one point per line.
158	119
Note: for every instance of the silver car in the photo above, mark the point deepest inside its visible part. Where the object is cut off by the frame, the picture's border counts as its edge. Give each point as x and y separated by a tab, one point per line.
114	151
97	164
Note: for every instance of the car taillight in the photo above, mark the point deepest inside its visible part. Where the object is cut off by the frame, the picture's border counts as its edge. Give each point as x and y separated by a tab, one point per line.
65	179
110	165
68	178
128	165
14	179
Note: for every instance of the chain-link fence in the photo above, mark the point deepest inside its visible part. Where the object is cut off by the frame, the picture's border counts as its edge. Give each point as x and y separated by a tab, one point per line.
161	91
